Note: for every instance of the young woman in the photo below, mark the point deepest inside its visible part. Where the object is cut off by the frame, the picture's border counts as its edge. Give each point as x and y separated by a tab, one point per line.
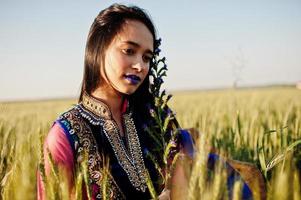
104	135
112	109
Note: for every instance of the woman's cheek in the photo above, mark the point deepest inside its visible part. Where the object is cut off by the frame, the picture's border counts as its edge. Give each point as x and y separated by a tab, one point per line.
146	72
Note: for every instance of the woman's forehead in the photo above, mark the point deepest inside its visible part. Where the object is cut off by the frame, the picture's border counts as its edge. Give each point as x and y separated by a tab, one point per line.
136	32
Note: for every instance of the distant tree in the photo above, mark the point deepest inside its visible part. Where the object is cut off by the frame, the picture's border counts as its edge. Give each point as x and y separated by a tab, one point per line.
238	63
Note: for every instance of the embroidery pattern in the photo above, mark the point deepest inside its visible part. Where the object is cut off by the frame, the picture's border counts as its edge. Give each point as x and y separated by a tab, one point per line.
134	167
132	162
97	107
85	144
135	148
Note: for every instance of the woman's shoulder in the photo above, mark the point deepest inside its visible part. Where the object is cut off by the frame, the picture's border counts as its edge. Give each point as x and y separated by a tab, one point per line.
79	123
69	113
81	113
57	144
75	116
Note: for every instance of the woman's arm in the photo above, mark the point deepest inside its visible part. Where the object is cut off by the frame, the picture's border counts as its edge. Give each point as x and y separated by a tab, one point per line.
57	144
179	182
180	177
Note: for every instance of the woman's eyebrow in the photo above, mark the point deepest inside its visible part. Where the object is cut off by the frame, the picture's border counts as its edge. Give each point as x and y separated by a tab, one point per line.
137	45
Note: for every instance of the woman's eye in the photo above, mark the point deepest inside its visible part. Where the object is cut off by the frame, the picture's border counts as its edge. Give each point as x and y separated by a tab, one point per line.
128	51
147	59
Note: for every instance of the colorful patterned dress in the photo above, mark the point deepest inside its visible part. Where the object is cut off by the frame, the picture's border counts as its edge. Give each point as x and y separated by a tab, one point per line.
88	130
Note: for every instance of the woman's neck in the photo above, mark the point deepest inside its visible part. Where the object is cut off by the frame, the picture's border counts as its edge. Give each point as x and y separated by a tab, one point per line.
111	97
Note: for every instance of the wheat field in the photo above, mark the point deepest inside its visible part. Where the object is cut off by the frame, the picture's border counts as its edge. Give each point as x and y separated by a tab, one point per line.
260	126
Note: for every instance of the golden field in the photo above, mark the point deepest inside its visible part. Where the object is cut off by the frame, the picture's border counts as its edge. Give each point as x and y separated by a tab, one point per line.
260	126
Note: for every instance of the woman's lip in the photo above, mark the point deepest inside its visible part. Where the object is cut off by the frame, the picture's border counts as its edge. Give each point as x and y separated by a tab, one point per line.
133	78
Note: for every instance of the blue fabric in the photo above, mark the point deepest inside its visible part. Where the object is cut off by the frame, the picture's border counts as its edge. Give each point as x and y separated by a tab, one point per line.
186	142
66	127
233	176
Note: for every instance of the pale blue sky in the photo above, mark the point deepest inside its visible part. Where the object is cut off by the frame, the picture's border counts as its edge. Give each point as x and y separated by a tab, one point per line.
42	43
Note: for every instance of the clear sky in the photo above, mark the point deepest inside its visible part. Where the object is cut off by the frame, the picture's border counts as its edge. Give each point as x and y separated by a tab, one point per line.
207	43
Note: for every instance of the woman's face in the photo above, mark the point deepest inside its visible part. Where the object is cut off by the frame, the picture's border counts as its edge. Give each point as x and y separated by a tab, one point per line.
127	58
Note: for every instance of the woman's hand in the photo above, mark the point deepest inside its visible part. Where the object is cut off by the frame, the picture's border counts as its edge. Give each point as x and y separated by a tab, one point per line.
165	195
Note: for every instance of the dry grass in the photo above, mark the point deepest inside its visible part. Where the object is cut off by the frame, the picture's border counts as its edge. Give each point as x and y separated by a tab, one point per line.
255	125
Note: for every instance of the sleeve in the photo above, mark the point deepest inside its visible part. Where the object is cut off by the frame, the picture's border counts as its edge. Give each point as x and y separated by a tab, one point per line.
186	143
58	145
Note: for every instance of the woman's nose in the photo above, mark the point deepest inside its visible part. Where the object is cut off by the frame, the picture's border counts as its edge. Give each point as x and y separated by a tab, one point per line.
139	65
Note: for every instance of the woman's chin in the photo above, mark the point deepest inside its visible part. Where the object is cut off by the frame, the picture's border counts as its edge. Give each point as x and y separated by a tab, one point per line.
128	90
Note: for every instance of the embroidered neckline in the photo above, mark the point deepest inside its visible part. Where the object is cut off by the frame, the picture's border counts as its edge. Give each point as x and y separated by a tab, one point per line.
96	106
131	161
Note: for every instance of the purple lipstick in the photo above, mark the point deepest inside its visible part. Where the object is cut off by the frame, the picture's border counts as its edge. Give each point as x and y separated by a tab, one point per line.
133	79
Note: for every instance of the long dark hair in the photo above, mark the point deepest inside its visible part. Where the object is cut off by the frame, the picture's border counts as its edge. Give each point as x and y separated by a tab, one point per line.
105	27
